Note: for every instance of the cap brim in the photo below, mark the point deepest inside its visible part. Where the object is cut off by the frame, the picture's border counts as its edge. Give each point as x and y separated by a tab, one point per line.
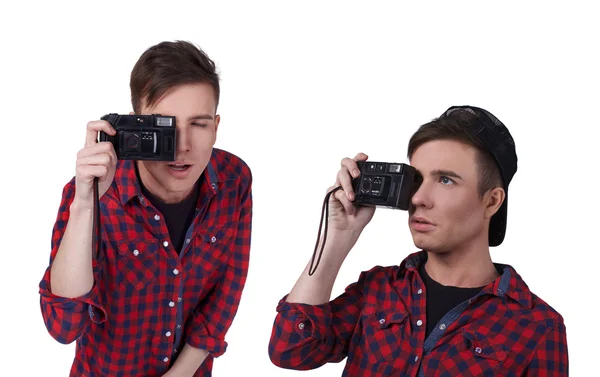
498	223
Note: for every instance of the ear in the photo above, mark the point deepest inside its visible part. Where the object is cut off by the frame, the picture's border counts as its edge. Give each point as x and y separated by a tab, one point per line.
217	121
493	200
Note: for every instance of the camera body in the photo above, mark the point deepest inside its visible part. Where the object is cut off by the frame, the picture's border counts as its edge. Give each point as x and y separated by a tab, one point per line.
384	184
142	137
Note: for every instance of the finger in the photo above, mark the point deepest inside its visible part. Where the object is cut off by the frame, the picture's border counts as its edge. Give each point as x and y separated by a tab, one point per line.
94	127
345	180
361	157
89	172
97	148
347	204
351	166
103	159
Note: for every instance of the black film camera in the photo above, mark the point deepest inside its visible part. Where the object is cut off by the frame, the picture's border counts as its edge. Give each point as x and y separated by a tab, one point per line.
142	137
384	184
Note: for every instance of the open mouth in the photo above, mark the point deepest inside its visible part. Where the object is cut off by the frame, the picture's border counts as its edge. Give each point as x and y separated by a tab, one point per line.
179	167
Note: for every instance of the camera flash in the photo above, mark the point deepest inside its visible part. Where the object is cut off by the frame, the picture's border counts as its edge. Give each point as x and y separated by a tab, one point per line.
164	122
395	168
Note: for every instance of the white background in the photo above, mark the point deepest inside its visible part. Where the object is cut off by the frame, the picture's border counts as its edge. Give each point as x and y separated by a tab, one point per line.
303	85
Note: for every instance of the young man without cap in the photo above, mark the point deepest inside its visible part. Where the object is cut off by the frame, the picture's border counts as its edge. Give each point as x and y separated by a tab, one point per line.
166	284
446	310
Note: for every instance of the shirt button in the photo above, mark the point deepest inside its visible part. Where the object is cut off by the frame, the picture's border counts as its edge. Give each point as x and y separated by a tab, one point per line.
168	333
187	241
419	323
213	239
166	359
442	326
175	350
178	299
301	326
156	217
175	271
165	243
419	291
171	304
382	321
136	252
178	327
214	186
416	358
478	350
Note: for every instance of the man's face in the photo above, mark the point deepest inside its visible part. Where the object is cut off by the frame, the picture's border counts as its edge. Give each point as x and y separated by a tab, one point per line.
194	107
447	212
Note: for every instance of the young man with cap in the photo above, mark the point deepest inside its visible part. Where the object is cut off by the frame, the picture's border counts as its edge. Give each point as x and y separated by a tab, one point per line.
165	285
446	310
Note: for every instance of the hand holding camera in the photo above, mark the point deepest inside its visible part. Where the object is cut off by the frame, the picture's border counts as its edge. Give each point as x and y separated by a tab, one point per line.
343	214
367	185
95	160
360	188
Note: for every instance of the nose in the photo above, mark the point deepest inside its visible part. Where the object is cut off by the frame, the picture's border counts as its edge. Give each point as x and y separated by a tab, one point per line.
422	196
183	140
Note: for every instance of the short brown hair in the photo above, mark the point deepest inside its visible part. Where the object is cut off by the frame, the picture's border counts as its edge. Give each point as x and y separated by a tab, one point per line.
169	64
456	127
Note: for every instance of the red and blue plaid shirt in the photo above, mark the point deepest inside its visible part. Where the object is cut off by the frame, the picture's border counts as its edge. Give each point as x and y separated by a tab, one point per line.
149	299
378	323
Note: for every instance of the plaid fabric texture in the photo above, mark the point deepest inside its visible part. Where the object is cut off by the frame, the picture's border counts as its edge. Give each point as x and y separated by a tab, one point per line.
378	324
149	299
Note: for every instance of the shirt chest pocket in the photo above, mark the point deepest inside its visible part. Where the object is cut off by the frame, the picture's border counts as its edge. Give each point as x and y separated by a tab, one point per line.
384	334
474	355
212	249
137	264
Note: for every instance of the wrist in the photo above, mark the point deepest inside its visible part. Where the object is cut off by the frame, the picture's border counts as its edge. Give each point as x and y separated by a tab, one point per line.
342	239
79	207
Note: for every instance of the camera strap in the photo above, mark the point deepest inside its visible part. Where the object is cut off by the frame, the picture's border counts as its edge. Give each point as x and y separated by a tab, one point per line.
96	240
324	215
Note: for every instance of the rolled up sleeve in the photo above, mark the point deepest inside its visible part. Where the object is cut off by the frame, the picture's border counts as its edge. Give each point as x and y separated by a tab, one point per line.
308	336
67	318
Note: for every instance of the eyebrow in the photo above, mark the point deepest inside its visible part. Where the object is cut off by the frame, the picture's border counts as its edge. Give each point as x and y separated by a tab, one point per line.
447	173
199	117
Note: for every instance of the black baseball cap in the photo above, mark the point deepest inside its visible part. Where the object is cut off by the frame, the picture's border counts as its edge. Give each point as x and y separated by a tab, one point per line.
494	135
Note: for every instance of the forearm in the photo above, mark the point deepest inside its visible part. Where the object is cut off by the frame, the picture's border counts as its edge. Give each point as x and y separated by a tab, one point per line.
188	362
71	274
316	289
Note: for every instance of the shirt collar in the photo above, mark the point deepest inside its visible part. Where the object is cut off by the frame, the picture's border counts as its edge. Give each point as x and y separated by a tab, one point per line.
509	284
128	186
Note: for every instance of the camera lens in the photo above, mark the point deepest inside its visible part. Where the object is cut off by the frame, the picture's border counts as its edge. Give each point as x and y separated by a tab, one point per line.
366	185
132	141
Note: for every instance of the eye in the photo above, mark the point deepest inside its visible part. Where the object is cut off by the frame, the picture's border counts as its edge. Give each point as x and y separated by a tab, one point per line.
446	181
199	124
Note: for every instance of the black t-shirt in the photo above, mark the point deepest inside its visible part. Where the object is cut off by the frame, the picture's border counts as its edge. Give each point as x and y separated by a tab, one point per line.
441	298
178	216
